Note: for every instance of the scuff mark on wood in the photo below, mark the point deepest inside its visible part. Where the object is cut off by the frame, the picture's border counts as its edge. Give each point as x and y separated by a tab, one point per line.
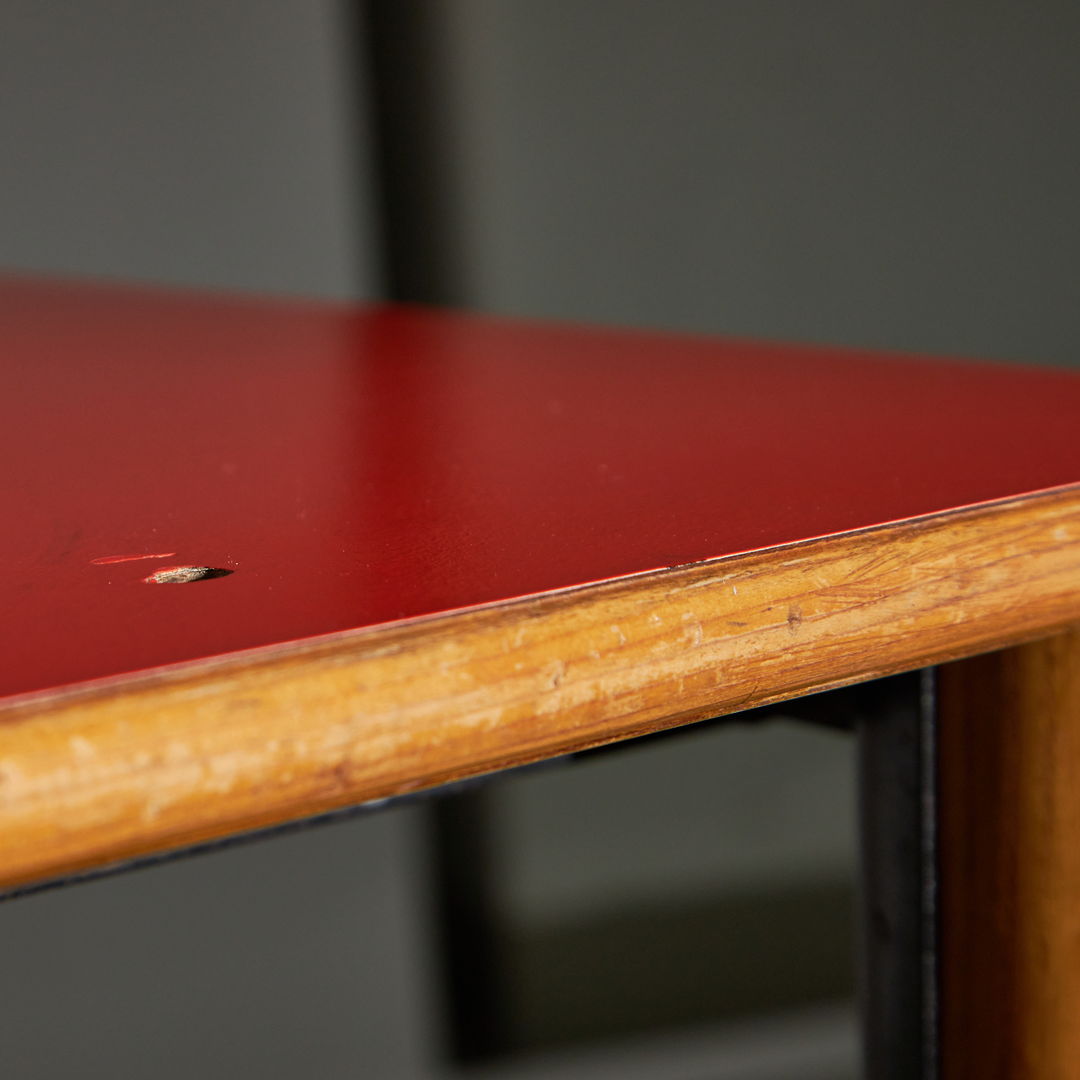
183	575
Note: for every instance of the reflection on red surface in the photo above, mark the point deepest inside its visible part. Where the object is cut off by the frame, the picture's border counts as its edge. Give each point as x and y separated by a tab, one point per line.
357	466
106	560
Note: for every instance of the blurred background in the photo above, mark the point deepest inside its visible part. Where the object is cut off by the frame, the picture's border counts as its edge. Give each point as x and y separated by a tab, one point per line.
893	175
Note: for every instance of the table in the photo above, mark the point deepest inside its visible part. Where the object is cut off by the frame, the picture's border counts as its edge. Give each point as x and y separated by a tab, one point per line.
444	545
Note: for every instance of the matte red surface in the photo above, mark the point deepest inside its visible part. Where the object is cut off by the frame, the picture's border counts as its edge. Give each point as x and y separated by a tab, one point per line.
359	466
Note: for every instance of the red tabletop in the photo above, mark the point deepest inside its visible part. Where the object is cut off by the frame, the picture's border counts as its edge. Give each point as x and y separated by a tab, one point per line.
357	466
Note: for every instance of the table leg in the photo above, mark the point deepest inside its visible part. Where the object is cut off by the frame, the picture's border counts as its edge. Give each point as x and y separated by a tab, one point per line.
1009	750
463	854
897	879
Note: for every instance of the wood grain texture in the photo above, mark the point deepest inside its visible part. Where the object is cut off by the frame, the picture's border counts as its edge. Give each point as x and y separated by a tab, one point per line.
161	760
1010	863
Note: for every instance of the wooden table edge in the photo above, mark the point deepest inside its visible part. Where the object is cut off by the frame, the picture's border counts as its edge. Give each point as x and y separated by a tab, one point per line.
165	759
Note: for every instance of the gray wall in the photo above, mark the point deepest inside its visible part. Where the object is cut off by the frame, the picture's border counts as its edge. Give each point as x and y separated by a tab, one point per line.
900	175
199	143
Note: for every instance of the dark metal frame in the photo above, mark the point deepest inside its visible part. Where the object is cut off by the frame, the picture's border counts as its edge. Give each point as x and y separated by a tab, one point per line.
898	884
894	722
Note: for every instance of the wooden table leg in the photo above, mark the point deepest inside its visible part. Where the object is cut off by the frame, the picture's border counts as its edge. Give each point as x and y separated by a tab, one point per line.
1009	844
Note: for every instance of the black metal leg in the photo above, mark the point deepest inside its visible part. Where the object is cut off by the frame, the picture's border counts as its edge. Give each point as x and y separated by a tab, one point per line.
898	882
467	924
894	720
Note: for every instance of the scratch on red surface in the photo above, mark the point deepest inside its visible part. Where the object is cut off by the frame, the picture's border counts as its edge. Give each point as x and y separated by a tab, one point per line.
106	559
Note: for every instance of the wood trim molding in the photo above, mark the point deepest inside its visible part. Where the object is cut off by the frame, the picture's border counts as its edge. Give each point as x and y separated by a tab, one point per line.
165	759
